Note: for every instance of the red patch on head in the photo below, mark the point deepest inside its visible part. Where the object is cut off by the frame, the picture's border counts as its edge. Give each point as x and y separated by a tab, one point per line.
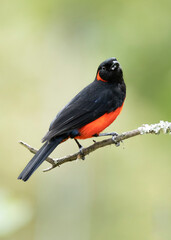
99	78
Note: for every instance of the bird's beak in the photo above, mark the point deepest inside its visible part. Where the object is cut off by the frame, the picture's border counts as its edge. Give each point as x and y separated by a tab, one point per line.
115	65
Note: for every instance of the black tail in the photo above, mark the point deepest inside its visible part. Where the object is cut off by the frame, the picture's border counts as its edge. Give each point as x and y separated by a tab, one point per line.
39	157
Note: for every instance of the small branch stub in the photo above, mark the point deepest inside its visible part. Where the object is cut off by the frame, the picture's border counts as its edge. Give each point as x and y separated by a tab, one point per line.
161	127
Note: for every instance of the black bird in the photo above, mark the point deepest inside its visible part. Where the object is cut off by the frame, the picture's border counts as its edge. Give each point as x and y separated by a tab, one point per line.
86	115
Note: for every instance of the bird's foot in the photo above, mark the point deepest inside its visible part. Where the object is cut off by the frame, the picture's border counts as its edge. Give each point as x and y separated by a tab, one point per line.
81	154
113	134
117	144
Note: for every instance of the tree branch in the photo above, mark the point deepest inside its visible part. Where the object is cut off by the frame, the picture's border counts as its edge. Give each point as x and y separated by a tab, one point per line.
157	128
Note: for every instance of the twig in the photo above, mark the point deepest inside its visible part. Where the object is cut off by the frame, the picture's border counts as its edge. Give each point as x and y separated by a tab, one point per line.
157	128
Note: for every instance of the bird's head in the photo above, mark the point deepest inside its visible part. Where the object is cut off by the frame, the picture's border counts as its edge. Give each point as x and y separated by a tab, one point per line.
109	71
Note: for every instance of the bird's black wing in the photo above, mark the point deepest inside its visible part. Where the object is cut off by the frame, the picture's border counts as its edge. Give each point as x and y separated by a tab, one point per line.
88	105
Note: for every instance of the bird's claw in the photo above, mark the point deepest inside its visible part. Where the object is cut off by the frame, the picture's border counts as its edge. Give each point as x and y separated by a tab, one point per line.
117	144
114	134
81	154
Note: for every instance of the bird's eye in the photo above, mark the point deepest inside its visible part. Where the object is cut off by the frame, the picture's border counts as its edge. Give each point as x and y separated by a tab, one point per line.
103	68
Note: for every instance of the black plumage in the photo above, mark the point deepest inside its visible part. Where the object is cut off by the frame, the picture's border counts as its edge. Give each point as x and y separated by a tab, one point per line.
104	95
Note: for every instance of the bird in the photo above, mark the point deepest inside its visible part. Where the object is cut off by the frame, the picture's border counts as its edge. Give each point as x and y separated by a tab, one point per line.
91	111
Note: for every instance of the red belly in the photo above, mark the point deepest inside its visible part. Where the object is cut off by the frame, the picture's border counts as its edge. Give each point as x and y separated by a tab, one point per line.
99	124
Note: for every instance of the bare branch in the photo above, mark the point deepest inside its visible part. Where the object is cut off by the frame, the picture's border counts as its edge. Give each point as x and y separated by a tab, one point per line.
157	128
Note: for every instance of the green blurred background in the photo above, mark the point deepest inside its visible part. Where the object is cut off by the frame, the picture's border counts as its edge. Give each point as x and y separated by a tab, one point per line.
49	50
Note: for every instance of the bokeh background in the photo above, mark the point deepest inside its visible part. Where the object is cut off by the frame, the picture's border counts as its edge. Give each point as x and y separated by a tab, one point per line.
49	50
